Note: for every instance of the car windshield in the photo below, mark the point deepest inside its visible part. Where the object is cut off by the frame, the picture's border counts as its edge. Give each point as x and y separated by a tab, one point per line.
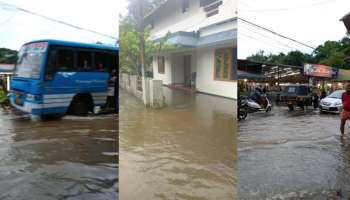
29	60
337	94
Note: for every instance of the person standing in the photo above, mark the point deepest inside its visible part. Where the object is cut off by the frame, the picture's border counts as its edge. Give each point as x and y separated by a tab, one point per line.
345	114
315	99
4	101
323	94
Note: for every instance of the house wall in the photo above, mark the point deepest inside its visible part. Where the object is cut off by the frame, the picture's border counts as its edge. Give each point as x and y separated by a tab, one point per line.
205	76
167	76
218	28
171	19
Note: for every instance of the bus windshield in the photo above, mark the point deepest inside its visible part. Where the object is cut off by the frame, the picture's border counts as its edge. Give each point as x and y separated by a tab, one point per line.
30	58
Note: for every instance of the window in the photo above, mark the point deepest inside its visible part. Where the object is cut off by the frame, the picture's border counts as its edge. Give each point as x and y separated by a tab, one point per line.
84	60
115	63
59	60
103	61
223	65
185	5
211	7
161	64
106	61
204	3
30	59
212	13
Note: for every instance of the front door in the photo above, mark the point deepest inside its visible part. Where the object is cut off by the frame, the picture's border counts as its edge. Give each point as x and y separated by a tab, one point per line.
187	70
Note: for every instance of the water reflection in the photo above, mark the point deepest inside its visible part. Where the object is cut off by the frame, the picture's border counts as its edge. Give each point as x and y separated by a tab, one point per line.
184	151
60	159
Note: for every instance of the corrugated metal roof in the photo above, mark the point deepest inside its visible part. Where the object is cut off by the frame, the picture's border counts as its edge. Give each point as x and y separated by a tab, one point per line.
7	67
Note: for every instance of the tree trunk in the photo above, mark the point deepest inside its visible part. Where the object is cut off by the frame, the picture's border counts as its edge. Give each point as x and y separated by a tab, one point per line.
141	33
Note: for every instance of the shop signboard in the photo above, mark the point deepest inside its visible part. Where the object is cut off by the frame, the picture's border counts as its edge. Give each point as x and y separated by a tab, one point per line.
343	75
317	70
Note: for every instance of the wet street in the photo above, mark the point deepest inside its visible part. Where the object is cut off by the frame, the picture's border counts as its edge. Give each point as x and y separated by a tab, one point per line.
70	158
184	151
293	155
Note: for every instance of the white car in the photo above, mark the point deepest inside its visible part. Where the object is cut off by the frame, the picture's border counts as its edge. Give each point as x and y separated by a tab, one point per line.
332	103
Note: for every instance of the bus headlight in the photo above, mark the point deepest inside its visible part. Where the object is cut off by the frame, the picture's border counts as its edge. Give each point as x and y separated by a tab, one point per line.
30	97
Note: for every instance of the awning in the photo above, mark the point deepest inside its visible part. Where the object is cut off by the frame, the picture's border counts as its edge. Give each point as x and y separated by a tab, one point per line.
193	40
249	75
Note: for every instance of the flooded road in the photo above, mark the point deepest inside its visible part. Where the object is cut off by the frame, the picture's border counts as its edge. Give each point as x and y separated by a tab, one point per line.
293	155
184	151
71	158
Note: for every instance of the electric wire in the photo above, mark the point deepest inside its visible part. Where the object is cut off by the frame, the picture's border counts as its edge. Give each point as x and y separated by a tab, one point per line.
275	33
7	5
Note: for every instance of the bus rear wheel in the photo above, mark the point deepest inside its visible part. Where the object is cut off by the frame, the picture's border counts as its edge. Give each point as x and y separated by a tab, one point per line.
79	107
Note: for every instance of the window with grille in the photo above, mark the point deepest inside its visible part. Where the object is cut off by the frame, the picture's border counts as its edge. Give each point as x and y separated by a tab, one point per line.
223	66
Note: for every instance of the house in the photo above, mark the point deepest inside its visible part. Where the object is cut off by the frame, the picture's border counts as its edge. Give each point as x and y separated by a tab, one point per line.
201	45
346	20
6	71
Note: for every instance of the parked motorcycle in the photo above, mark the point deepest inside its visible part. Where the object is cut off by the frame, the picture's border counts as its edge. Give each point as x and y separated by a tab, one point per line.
242	108
254	106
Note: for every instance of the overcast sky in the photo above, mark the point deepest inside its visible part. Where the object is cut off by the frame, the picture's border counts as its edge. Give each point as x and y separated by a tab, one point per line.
17	27
312	22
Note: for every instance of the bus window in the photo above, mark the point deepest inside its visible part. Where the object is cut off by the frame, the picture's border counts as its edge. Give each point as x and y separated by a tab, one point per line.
84	62
59	60
66	60
51	64
102	61
115	63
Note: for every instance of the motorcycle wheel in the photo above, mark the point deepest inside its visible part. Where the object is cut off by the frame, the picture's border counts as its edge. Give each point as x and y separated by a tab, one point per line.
290	107
242	114
268	109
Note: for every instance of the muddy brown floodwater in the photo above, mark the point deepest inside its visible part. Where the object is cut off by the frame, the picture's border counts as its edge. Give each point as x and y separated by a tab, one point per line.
184	151
71	158
293	155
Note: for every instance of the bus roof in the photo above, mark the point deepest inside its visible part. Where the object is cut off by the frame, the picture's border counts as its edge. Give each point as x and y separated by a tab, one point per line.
78	44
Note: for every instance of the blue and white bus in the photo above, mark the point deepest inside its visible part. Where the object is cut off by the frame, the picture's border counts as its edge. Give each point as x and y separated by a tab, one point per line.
59	77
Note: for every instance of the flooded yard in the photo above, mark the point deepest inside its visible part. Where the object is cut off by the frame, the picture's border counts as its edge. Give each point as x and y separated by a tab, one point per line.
184	151
293	155
71	158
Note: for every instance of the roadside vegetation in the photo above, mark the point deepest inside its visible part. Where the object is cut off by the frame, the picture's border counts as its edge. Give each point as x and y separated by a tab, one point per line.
7	56
332	53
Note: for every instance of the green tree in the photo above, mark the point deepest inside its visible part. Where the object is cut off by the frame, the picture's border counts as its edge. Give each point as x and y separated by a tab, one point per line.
258	57
8	56
332	53
135	46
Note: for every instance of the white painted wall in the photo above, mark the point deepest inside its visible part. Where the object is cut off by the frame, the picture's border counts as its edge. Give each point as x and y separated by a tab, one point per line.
166	77
205	76
171	19
203	64
219	28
